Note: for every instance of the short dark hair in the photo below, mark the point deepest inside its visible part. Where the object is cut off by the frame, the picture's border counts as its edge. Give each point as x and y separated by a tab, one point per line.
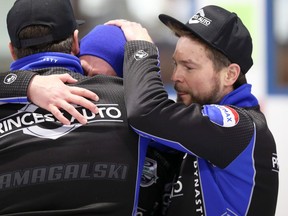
63	46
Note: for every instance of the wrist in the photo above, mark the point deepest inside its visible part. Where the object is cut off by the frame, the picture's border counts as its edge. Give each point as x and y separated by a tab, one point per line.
31	86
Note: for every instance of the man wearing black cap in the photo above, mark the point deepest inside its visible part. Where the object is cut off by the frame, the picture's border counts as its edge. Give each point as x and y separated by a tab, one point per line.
231	164
47	168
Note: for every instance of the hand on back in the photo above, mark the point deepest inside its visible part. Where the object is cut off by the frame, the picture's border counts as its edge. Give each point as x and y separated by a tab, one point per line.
51	93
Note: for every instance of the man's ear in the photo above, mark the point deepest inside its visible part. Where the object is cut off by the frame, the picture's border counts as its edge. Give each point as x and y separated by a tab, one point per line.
75	46
232	74
12	52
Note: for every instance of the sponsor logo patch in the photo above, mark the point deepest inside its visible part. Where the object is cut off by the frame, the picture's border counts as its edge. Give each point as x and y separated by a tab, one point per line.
10	78
35	123
223	116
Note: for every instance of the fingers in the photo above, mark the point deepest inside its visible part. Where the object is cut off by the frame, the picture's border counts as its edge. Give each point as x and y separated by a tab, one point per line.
79	93
66	78
76	96
68	103
71	110
117	22
79	97
132	30
50	93
58	115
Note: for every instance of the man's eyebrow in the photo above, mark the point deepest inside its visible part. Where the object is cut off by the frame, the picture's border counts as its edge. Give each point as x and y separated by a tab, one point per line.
187	61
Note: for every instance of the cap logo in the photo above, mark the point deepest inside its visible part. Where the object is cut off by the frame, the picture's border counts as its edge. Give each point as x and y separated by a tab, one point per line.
199	17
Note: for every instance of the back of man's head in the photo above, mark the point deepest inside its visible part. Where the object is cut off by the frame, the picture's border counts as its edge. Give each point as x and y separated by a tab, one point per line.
54	18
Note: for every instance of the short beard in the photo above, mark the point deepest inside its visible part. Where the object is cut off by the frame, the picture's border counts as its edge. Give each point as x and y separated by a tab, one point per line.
213	97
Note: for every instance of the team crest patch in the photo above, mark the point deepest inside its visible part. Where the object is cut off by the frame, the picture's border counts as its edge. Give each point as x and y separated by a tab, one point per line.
223	116
149	174
140	54
10	78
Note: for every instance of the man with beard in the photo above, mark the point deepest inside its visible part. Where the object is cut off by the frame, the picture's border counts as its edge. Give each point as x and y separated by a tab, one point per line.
231	164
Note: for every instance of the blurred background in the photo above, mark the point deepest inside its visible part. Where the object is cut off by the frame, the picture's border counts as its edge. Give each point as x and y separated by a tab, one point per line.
266	21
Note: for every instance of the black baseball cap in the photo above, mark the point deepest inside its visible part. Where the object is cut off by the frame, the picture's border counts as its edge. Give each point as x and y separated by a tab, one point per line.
220	29
57	14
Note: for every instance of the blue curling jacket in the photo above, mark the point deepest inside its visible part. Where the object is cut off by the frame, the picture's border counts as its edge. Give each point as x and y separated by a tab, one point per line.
230	167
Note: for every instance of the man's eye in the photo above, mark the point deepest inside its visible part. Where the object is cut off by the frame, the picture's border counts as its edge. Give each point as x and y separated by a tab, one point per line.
189	68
